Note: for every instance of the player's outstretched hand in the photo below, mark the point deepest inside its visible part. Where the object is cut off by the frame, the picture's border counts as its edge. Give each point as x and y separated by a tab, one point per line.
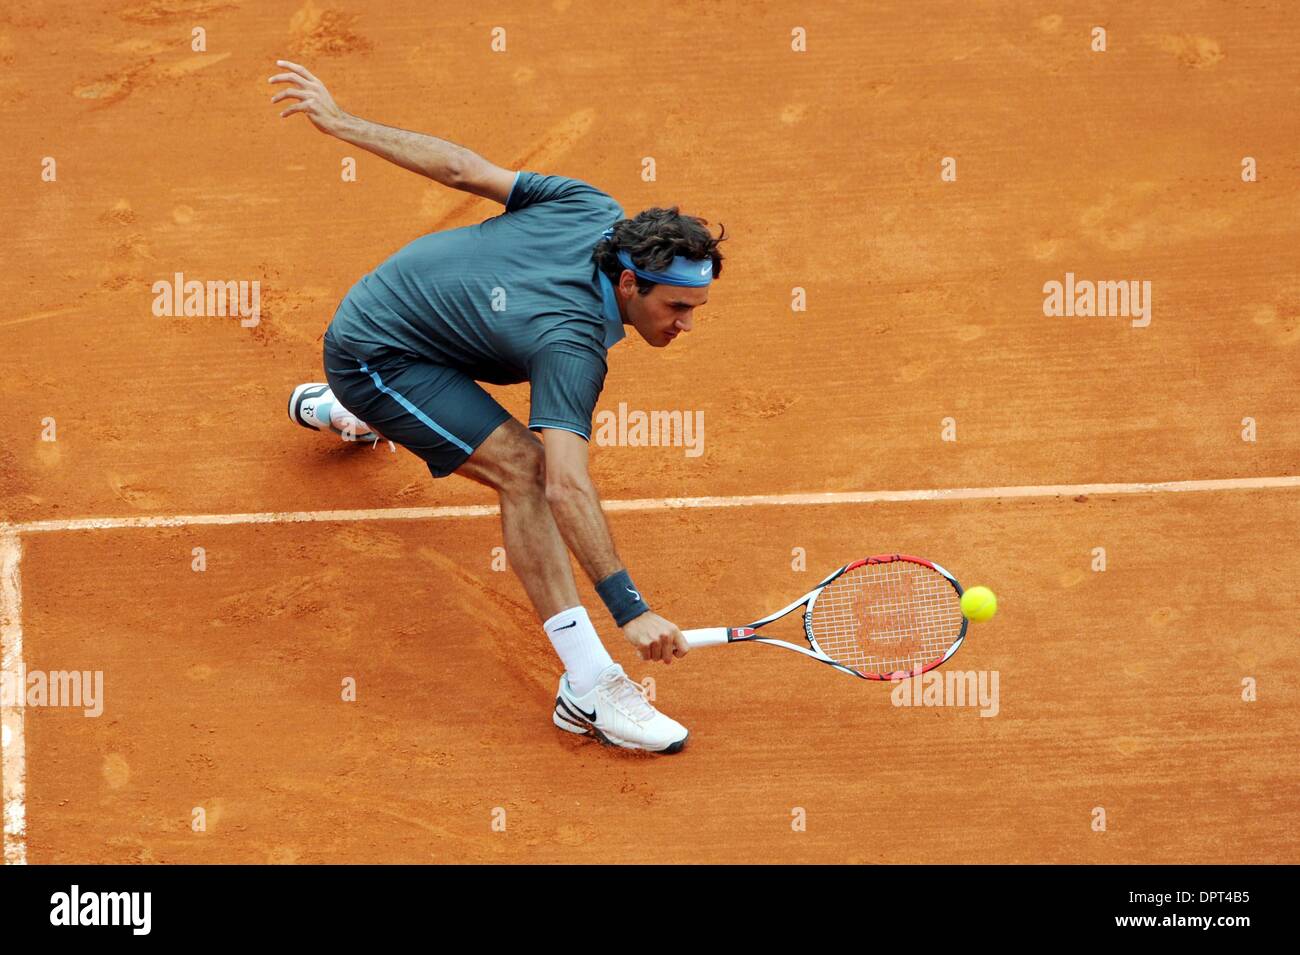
655	638
314	99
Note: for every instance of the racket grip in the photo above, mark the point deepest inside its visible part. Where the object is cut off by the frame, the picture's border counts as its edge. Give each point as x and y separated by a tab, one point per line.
706	636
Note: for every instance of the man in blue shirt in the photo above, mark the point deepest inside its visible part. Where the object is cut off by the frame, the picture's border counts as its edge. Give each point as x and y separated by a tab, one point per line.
539	294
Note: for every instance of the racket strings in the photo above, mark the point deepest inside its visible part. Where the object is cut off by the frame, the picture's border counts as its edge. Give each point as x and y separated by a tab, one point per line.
887	618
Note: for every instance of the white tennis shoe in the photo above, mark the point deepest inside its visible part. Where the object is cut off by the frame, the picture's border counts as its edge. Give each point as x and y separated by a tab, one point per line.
616	712
314	406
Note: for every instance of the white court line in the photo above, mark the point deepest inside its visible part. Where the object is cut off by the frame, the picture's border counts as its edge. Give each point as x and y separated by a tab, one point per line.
664	503
13	779
13	762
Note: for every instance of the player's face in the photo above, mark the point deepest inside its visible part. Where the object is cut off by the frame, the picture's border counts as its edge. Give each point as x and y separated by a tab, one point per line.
664	313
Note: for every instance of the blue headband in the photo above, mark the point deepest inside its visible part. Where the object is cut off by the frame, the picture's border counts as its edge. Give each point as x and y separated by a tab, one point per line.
691	273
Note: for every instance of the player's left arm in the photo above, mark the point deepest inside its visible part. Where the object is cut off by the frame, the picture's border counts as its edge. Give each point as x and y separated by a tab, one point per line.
442	161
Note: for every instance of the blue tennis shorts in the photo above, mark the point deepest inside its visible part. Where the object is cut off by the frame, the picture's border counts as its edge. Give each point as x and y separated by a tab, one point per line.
434	411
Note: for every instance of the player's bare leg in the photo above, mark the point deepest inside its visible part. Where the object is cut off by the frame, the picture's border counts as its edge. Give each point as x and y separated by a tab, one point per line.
595	697
511	462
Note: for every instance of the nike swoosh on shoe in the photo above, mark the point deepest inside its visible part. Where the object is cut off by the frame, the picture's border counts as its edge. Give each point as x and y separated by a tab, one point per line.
576	710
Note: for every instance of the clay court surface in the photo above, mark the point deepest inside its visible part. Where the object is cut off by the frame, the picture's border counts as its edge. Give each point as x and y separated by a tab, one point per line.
1119	689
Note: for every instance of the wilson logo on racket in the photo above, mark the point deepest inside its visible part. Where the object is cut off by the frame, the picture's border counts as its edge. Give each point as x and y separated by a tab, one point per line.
885	617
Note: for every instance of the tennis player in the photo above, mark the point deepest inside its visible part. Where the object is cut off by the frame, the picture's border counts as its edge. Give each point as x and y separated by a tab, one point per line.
539	293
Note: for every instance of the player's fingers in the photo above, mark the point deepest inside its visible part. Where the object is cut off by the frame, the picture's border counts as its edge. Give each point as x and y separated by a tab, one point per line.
296	94
285	78
666	650
297	68
680	646
296	108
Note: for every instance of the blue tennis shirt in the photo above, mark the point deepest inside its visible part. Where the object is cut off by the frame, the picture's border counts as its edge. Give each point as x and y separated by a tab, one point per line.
514	298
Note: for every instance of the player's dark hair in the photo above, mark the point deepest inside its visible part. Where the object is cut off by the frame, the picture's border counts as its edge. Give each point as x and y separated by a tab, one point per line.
653	239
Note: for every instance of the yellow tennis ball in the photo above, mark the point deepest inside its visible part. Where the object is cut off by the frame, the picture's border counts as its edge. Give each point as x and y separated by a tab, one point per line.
979	604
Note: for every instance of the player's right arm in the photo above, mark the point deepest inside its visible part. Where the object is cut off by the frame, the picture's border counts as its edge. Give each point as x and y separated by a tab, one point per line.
440	160
576	507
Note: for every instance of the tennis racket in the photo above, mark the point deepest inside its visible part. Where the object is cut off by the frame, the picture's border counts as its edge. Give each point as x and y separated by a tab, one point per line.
880	618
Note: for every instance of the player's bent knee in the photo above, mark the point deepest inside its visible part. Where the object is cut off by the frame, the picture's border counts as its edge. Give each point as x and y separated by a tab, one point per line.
511	460
528	467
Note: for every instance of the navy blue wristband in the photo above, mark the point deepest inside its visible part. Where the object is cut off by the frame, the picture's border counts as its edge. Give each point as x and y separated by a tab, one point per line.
622	600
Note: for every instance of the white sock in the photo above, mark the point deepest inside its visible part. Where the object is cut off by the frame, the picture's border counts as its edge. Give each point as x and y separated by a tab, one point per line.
341	417
578	645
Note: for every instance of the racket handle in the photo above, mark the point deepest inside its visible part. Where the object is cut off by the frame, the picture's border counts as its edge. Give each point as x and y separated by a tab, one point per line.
706	636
